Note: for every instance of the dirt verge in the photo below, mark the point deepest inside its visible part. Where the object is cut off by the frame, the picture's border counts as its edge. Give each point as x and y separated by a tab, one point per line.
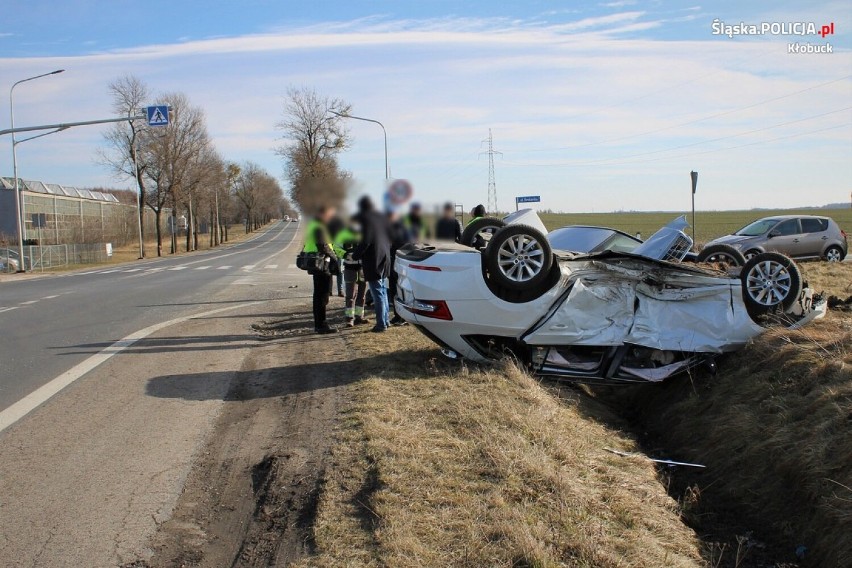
251	498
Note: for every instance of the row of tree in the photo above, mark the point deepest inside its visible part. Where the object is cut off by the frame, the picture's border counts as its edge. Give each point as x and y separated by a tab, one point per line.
179	170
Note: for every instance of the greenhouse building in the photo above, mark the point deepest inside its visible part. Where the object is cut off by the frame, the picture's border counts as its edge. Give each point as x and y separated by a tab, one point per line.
57	214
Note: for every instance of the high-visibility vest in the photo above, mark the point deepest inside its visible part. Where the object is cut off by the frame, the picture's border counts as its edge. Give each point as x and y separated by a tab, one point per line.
472	220
346	235
310	237
406	221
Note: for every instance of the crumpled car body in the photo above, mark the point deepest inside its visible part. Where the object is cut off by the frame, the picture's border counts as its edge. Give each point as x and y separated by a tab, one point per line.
609	316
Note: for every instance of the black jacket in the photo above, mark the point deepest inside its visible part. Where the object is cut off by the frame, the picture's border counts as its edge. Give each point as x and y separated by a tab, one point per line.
374	249
448	229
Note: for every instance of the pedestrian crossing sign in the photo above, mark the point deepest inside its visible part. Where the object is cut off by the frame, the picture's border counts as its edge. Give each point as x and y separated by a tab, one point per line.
158	115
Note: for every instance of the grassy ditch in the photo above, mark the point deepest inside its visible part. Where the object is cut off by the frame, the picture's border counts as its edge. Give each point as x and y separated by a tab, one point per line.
440	466
773	429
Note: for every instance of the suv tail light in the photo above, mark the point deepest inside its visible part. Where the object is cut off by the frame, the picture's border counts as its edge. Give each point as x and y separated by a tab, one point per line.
437	309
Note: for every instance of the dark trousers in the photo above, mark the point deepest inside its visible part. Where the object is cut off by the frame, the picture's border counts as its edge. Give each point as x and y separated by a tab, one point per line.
322	289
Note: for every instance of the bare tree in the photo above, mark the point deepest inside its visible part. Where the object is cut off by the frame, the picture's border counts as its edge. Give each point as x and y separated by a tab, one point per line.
129	94
259	193
172	156
314	135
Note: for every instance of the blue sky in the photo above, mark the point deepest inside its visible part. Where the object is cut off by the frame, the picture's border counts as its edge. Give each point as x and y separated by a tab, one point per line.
595	106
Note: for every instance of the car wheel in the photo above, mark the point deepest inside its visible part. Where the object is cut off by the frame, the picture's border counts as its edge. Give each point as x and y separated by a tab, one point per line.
834	254
518	258
723	254
478	233
750	254
770	280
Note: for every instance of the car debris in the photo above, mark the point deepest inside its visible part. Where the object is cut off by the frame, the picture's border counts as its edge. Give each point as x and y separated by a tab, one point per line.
659	461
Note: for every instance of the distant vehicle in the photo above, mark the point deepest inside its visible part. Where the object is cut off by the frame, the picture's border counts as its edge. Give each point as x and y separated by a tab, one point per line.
797	236
286	218
10	260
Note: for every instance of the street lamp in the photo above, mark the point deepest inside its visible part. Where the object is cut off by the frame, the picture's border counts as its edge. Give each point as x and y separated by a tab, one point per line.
341	115
18	204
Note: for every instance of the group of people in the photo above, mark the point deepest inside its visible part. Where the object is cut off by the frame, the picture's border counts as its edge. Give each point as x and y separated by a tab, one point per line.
361	252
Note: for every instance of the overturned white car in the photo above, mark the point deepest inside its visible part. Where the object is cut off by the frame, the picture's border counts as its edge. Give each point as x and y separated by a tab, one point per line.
624	312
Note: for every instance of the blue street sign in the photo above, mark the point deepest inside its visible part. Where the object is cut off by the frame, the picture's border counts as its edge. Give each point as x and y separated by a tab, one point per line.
158	115
528	199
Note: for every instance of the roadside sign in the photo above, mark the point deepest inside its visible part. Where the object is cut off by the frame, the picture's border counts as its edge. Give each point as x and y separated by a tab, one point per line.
399	191
158	115
528	199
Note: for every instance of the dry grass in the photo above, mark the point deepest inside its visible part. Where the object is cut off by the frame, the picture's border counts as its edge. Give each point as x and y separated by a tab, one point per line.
455	467
773	429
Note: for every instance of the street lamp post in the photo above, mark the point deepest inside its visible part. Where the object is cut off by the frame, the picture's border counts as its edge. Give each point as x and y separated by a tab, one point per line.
385	132
18	205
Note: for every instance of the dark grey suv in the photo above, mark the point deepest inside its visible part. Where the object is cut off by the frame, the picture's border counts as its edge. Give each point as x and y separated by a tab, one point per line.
797	236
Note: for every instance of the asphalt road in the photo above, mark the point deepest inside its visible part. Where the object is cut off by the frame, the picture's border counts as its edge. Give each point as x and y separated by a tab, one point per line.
49	325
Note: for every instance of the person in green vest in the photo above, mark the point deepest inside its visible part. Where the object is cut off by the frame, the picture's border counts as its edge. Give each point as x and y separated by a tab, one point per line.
476	213
353	275
318	242
417	229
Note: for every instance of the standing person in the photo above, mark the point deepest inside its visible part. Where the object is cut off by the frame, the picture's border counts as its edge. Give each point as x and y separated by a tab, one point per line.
448	227
356	286
399	237
477	212
318	242
374	253
415	225
335	225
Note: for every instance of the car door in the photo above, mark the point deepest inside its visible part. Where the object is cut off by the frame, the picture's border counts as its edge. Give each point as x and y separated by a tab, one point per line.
814	236
786	238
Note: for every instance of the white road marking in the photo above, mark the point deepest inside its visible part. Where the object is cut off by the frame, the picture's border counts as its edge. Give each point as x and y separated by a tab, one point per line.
8	309
291	266
44	393
29	303
158	269
271	266
108	271
50	297
177	268
202	267
248	267
133	270
223	267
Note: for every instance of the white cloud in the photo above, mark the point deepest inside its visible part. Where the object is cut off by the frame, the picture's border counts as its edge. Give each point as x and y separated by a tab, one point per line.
584	115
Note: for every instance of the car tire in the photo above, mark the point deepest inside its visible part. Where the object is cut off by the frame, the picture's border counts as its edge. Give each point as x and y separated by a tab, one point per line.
474	235
834	254
750	254
770	281
725	254
518	258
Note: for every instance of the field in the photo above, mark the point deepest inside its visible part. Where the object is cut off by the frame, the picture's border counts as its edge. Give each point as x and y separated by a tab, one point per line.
708	224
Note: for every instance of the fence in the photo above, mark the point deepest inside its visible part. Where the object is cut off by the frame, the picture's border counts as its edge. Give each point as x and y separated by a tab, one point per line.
50	256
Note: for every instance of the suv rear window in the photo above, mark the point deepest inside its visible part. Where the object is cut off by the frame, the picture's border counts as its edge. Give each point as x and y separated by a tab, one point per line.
814	225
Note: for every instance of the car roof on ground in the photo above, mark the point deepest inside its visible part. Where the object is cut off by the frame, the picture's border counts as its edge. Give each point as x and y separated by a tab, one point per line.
596	227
